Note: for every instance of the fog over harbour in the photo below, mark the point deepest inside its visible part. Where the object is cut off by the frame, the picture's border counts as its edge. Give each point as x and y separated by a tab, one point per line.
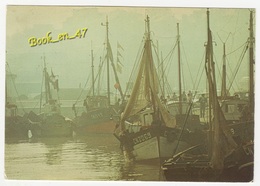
64	37
71	59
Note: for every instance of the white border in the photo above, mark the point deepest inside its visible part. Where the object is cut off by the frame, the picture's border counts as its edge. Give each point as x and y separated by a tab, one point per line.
146	3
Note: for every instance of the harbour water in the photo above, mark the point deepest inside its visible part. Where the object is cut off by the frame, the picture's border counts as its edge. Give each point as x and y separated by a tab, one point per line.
95	157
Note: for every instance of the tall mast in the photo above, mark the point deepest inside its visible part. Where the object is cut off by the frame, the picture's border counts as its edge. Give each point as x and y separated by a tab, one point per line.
209	66
223	88
160	70
251	64
208	62
149	55
47	84
179	69
117	79
108	76
92	66
163	83
99	71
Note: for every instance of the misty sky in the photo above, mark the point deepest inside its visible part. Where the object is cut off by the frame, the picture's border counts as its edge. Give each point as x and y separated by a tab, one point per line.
71	59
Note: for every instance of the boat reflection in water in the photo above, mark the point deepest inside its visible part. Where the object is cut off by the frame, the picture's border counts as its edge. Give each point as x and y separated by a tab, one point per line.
92	158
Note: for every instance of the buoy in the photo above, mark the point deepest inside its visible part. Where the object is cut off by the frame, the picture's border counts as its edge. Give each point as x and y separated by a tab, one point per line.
30	134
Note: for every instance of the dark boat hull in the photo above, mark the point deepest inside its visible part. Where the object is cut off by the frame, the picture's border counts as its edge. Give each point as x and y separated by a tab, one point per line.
54	125
238	167
16	127
198	172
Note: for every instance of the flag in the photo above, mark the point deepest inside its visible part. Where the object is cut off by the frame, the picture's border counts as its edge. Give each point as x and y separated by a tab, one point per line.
119	68
109	52
118	61
118	54
54	81
119	46
119	65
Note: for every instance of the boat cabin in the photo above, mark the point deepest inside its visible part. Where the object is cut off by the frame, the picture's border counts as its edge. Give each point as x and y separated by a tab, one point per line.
52	107
94	102
10	110
173	108
141	120
233	108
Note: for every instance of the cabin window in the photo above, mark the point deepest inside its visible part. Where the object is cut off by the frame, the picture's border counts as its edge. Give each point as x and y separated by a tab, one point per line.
230	108
13	112
147	119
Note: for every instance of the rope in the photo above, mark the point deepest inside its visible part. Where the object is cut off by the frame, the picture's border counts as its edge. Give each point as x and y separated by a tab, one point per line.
16	88
239	64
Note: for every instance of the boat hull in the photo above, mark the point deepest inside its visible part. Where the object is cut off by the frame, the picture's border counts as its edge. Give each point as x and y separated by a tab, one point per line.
96	121
54	125
200	171
157	142
238	167
16	127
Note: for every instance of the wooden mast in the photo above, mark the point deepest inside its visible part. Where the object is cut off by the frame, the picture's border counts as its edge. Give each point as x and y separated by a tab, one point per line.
92	66
47	83
179	70
223	88
251	64
208	62
149	55
107	56
163	83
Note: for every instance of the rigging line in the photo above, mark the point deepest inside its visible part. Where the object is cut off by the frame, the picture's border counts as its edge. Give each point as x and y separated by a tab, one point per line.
82	90
171	52
97	75
228	77
16	89
183	77
239	64
168	87
157	55
101	71
170	55
41	92
201	68
102	76
137	59
243	45
187	62
218	69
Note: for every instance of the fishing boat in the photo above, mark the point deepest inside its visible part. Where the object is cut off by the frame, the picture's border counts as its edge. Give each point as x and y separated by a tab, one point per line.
223	158
146	130
50	122
99	113
180	108
16	126
236	108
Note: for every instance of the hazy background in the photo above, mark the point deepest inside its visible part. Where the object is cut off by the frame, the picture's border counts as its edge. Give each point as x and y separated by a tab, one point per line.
71	59
26	62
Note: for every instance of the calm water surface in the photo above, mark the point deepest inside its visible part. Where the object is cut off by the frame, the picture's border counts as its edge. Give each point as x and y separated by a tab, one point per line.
96	157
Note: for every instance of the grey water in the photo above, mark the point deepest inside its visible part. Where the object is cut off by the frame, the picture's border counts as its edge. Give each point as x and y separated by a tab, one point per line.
94	157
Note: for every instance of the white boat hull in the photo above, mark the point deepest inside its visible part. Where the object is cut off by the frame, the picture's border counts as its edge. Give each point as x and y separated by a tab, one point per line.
152	143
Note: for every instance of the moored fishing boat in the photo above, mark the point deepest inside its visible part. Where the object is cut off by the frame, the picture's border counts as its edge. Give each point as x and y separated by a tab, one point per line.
147	131
99	112
50	122
16	126
224	158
